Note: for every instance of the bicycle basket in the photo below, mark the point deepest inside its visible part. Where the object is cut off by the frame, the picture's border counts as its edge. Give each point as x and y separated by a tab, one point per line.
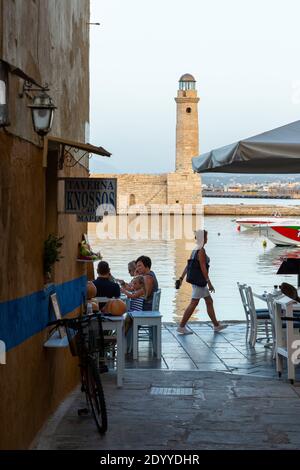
95	336
73	338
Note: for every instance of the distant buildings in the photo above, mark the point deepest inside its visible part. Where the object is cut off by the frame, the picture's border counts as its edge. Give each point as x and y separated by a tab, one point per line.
274	189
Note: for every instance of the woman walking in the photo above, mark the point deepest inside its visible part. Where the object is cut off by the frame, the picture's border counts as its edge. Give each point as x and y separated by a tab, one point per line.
197	275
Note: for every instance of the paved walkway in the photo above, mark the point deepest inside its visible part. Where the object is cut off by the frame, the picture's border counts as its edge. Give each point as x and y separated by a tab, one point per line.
205	350
219	411
195	399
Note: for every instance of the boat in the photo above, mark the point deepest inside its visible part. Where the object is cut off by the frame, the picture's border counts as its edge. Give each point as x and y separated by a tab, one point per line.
282	234
254	223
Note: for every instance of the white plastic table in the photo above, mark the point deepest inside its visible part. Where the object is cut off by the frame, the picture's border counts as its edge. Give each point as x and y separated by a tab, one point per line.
114	323
287	339
263	296
106	299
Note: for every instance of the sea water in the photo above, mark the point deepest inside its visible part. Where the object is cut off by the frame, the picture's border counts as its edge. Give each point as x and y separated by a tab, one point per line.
236	256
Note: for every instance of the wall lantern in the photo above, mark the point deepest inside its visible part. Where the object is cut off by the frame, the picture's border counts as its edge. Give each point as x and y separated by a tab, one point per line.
42	110
4	121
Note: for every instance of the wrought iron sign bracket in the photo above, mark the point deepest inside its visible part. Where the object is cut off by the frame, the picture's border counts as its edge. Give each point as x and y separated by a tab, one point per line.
67	158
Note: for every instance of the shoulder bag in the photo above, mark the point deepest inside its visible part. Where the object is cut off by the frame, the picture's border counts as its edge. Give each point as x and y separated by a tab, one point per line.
194	273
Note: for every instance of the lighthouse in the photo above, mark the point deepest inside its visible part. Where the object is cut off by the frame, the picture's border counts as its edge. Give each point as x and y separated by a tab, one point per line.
187	132
183	185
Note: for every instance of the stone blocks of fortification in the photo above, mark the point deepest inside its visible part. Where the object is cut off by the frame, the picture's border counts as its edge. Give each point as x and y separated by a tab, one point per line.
146	191
183	188
138	189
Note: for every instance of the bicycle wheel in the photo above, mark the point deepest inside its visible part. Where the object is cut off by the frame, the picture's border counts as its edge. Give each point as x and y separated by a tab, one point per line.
95	395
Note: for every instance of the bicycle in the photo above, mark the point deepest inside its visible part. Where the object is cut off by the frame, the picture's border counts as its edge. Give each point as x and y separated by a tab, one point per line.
85	337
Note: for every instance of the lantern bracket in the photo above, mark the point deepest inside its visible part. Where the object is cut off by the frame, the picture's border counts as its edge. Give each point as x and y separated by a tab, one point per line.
30	87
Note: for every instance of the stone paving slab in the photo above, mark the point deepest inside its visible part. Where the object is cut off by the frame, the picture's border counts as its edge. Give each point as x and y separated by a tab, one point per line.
225	411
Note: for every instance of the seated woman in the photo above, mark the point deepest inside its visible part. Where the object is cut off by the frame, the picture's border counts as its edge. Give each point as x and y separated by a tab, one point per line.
143	267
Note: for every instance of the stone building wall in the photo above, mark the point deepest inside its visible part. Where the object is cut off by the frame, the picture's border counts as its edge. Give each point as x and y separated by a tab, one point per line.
138	189
184	188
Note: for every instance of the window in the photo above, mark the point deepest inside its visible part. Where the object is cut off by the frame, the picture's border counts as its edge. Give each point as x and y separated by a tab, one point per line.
132	200
189	110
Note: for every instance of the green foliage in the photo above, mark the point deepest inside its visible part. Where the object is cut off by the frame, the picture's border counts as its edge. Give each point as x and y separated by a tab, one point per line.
52	248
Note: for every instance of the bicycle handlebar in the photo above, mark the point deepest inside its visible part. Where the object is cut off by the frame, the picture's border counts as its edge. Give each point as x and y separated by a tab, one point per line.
74	320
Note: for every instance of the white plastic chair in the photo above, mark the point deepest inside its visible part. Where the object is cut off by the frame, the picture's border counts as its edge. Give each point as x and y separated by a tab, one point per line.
149	322
271	307
260	319
242	288
145	332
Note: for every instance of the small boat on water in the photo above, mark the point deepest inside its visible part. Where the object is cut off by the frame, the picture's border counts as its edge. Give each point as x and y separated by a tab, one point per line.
254	223
282	234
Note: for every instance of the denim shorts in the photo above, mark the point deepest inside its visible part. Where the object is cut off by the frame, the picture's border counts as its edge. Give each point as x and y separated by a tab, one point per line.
199	292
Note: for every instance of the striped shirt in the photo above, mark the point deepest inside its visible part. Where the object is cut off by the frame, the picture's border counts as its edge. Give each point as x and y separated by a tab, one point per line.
136	304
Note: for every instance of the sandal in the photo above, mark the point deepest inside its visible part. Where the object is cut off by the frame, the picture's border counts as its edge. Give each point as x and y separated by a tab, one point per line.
290	291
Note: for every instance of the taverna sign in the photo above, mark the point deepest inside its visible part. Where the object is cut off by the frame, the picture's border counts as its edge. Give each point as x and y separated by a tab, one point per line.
83	196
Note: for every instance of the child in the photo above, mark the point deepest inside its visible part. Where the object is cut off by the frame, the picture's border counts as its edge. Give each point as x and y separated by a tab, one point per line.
136	296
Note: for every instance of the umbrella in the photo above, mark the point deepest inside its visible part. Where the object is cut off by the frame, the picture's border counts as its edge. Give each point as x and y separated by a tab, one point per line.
275	151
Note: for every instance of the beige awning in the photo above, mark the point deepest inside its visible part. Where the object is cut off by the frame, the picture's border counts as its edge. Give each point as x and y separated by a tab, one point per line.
71	150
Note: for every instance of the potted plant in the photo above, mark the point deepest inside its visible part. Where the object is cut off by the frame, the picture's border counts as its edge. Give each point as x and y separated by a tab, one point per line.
52	247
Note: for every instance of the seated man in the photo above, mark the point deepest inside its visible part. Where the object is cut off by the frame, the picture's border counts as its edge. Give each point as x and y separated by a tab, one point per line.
105	287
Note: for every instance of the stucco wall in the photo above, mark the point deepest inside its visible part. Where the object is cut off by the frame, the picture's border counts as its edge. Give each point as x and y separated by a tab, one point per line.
49	41
34	380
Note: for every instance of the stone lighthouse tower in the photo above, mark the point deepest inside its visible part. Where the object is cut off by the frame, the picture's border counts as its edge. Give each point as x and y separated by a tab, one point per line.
187	132
184	186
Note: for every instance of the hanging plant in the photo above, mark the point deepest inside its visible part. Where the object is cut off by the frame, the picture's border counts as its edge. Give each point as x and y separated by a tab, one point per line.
52	250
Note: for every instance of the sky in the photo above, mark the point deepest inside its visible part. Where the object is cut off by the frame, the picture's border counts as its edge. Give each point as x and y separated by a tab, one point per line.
244	56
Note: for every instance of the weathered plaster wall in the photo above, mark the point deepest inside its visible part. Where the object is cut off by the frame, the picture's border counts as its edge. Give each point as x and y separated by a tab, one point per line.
48	40
33	382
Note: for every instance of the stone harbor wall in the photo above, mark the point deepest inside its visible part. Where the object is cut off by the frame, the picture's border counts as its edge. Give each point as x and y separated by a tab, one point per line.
243	209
